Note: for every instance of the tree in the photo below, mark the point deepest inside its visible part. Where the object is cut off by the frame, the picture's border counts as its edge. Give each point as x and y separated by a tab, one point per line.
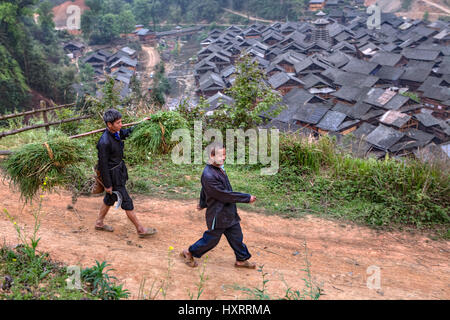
111	96
113	6
204	10
13	86
107	29
252	96
88	23
46	22
295	9
143	11
175	14
126	21
95	6
157	12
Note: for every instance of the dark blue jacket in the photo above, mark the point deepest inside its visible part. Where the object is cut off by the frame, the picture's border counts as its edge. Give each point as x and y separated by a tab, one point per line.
218	198
110	158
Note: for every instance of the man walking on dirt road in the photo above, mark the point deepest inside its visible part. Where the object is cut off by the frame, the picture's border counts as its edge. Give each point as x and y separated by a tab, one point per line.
221	214
114	173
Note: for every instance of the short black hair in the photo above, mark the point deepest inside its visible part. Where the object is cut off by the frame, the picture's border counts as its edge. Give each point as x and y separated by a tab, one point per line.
111	115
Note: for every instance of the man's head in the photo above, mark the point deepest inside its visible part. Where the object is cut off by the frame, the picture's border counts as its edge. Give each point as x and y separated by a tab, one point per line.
113	120
217	154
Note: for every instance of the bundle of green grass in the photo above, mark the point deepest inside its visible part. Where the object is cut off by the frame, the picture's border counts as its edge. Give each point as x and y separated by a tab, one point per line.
154	136
59	162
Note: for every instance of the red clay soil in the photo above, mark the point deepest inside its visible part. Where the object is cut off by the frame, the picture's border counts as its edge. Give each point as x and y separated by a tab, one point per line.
412	266
60	12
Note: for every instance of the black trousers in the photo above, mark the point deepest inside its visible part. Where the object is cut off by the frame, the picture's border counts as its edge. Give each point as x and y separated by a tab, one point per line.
127	202
211	238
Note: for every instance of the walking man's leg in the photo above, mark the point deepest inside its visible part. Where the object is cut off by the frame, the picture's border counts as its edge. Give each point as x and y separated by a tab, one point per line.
209	240
133	218
101	215
235	238
127	205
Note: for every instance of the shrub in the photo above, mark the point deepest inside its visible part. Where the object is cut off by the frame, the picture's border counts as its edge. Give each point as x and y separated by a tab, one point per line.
101	283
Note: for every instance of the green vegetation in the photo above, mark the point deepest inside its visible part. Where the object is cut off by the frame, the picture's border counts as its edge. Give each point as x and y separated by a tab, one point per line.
310	292
412	95
200	285
37	278
102	284
161	86
406	4
384	193
252	97
274	10
397	192
30	275
161	286
107	19
153	136
59	162
30	57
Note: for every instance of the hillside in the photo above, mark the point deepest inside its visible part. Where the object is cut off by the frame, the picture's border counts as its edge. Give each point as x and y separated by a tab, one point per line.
32	62
414	9
60	12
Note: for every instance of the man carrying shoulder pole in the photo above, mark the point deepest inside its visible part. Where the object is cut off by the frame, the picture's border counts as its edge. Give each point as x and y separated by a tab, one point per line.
114	173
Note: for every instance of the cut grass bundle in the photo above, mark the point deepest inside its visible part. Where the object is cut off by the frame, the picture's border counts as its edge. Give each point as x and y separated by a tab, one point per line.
56	163
153	136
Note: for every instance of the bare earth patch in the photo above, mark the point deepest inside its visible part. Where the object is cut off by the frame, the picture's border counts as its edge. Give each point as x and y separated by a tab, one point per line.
412	266
435	8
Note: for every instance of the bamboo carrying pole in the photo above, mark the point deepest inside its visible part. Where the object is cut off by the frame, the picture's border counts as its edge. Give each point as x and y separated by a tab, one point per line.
4	134
103	129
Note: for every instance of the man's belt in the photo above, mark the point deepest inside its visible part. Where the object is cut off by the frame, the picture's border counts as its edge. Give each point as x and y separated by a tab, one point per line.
120	163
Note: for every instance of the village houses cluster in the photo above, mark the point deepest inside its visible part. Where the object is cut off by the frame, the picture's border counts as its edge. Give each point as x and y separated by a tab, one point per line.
386	90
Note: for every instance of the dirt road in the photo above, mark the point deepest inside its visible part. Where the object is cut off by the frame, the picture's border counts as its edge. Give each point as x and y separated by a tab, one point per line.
149	58
386	5
411	266
250	17
446	10
417	8
152	57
